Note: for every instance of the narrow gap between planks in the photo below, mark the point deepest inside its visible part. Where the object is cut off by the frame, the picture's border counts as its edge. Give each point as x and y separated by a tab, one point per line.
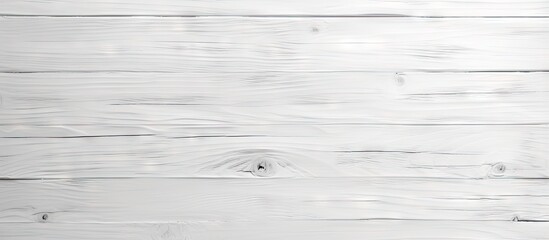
265	16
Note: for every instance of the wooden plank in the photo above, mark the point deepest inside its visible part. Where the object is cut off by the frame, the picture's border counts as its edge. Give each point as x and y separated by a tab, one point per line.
277	151
273	7
174	200
240	44
147	99
307	124
276	230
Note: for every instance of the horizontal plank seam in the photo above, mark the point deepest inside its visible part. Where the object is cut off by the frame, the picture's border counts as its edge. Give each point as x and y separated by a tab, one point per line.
291	220
89	136
328	71
487	178
303	124
264	16
269	221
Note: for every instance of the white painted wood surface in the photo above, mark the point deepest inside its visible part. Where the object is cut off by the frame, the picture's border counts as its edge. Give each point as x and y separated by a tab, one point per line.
242	44
282	150
276	230
223	199
278	8
152	99
273	119
319	124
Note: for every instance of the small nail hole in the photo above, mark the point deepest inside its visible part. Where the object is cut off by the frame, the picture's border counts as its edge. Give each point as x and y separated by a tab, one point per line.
45	216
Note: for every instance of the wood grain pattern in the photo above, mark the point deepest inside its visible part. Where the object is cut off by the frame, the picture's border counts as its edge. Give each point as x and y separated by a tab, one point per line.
174	200
302	124
265	119
277	8
276	230
275	151
152	99
240	44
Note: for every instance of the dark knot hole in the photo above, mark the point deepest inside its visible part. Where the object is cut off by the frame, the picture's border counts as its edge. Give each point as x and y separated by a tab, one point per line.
261	167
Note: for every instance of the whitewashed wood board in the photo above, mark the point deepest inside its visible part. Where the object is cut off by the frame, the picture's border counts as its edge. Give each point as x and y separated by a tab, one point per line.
276	230
223	199
152	99
459	125
240	44
509	8
276	151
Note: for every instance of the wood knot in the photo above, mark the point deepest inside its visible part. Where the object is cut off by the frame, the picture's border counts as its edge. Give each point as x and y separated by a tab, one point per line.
257	163
45	217
498	169
314	29
262	168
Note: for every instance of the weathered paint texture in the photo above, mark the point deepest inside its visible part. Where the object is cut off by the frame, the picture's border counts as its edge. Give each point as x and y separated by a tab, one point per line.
265	119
